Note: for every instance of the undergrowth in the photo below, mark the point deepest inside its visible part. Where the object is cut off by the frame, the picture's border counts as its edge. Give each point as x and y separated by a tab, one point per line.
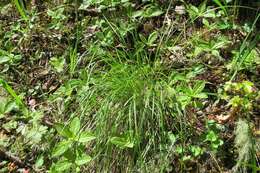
122	86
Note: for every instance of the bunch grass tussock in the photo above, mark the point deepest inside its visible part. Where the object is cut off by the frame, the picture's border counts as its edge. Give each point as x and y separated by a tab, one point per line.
128	86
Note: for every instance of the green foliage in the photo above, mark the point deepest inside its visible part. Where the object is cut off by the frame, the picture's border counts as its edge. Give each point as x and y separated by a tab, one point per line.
58	63
200	12
8	59
212	47
20	8
102	4
148	11
240	95
245	51
7	105
127	86
71	148
57	18
122	142
212	136
186	94
17	99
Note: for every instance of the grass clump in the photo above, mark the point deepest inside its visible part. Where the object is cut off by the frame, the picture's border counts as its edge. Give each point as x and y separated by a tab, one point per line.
129	114
128	86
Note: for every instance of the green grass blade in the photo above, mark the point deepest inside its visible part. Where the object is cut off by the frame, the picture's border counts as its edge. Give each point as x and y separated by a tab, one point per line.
18	100
221	6
20	9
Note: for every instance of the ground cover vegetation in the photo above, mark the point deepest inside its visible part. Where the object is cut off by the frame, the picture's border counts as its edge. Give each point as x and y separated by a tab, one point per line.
129	86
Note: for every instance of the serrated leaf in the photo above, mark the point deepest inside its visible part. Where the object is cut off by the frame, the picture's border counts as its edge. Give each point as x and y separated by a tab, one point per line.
75	125
86	137
61	148
63	131
84	159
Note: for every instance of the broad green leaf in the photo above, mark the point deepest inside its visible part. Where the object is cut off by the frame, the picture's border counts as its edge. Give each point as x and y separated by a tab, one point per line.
63	130
172	137
39	162
215	53
137	13
62	166
84	159
196	150
143	39
10	125
57	63
209	14
155	13
4	59
86	137
197	51
184	100
61	148
248	87
202	7
122	142
152	37
70	154
75	125
2	116
84	5
198	87
10	106
201	96
211	136
205	22
216	144
179	77
185	158
179	149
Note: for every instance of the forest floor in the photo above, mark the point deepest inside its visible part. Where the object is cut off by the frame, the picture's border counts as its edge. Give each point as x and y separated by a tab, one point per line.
121	86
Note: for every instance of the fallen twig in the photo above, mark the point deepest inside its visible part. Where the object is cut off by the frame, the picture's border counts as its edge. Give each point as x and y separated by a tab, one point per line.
8	156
